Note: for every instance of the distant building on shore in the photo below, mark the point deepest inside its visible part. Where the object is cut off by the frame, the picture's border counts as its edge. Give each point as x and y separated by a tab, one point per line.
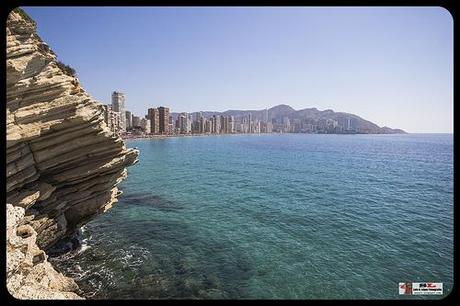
136	122
163	113
208	126
215	124
129	120
145	125
184	123
118	105
154	117
227	124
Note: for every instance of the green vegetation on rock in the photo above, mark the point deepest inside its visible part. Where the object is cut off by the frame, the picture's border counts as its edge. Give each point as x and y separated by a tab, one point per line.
24	15
66	68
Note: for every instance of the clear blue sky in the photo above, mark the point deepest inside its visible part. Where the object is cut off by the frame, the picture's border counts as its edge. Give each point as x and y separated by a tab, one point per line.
393	66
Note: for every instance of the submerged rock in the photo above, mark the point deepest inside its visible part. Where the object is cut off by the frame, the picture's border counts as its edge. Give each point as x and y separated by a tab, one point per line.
63	162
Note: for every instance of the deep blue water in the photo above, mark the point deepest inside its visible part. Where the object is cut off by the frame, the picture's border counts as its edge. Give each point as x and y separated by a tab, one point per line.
293	216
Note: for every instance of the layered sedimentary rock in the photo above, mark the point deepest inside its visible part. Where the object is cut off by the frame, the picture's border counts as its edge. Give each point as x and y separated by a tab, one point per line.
29	274
63	163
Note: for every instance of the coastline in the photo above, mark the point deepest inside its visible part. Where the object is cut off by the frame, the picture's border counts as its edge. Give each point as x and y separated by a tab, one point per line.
139	137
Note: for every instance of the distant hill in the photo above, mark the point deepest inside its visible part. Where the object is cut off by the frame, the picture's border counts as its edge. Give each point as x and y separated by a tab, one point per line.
337	122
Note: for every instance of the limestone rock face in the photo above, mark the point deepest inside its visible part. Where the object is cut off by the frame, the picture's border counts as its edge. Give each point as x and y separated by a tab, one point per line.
29	274
63	163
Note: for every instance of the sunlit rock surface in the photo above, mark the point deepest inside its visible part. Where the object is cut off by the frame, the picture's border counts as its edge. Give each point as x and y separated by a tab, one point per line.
63	163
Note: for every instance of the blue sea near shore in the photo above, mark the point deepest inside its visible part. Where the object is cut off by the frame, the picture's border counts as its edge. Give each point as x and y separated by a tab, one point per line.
292	216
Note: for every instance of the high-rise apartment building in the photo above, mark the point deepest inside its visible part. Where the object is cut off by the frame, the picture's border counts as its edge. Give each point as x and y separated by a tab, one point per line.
170	125
223	124
145	125
265	116
129	120
246	126
118	105
198	116
256	126
189	124
163	113
154	117
269	127
231	124
182	123
286	124
136	121
249	123
202	128
349	124
199	123
215	124
208	126
227	124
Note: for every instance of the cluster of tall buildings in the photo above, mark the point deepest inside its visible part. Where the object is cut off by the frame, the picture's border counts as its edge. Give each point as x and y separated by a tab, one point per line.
314	126
160	121
122	121
216	124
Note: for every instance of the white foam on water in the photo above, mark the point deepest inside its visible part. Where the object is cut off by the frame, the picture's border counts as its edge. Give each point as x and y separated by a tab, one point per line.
83	248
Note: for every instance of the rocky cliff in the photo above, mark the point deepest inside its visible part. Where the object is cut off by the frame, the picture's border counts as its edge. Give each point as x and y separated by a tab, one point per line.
63	163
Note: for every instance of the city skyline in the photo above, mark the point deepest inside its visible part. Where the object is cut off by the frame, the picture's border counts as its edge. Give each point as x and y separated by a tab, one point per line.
392	66
278	119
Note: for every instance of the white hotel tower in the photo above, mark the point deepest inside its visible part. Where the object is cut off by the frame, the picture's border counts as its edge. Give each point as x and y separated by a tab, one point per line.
118	105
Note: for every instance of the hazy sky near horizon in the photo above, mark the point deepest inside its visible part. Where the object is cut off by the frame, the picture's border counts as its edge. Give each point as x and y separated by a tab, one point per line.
392	66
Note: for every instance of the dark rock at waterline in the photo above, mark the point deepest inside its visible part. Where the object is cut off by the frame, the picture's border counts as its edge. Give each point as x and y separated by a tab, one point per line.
64	246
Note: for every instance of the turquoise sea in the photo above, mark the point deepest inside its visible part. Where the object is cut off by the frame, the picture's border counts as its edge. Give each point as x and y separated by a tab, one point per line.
292	216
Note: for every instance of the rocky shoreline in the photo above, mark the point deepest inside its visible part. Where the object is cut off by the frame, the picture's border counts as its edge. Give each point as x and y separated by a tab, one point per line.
63	163
29	274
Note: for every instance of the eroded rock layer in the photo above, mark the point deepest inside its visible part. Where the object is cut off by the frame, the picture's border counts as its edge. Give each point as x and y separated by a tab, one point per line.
63	163
29	274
